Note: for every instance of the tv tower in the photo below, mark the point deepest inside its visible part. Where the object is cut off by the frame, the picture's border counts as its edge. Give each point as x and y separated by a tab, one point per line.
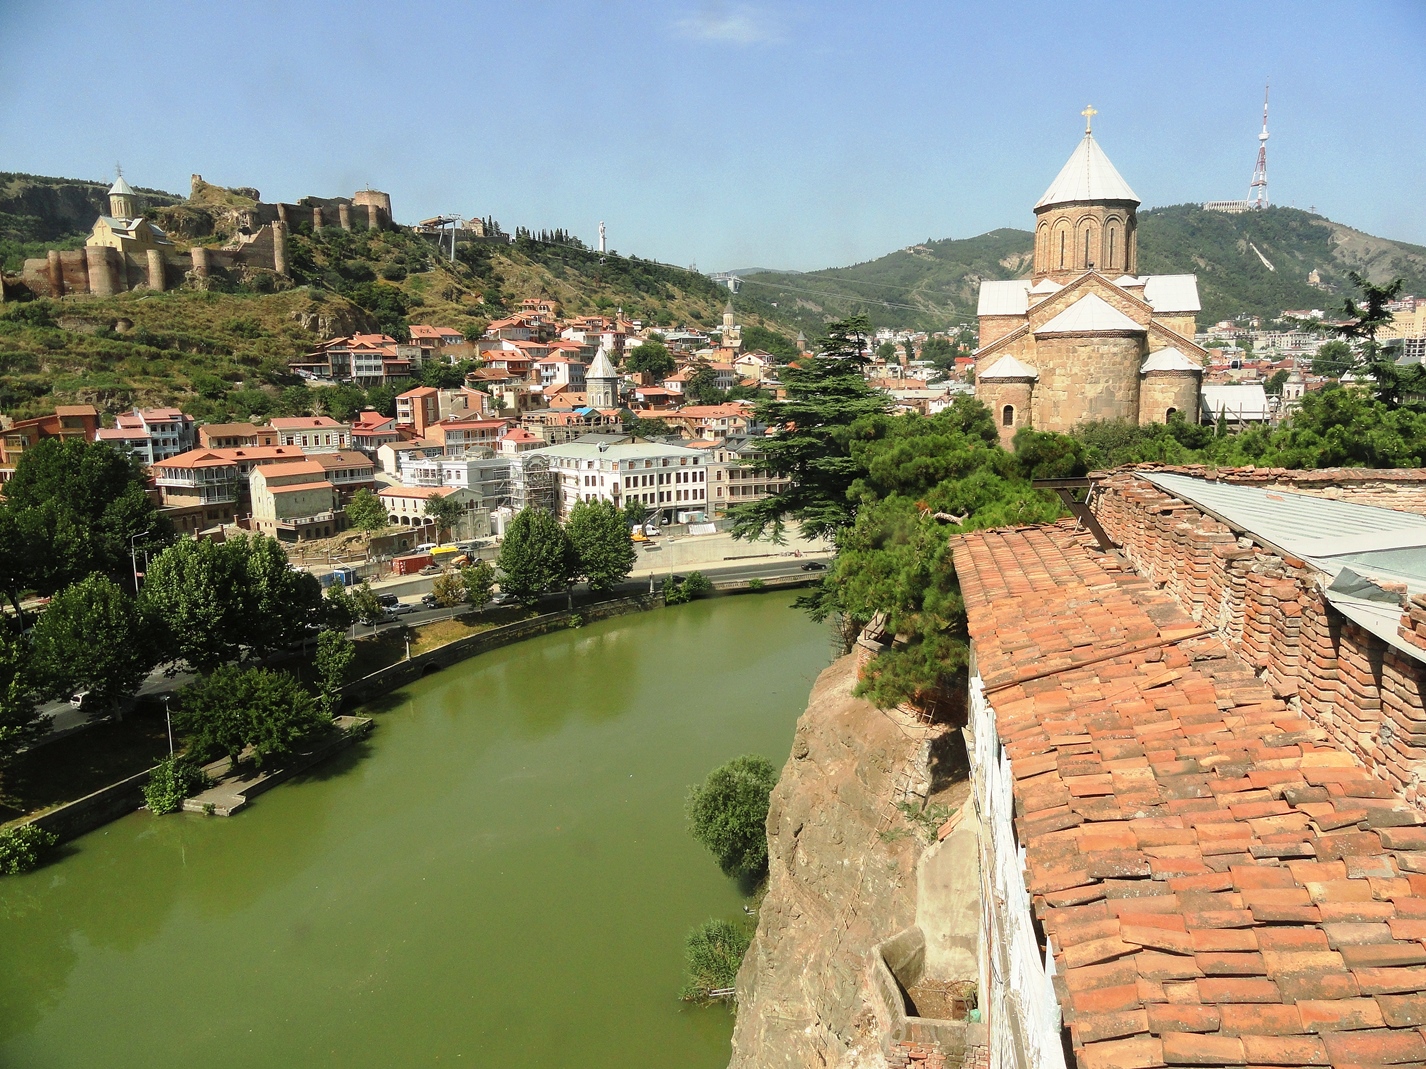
1258	190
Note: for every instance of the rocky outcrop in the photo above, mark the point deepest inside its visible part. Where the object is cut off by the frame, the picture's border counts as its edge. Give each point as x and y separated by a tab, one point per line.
841	880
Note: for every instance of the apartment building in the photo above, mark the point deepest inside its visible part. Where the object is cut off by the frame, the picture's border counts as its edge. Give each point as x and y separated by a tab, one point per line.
733	479
313	434
150	434
670	480
67	421
294	502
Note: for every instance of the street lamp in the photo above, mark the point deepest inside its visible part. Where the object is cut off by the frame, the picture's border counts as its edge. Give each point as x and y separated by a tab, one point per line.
134	556
168	720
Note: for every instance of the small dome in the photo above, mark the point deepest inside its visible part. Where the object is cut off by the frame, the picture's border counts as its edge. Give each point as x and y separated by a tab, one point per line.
121	187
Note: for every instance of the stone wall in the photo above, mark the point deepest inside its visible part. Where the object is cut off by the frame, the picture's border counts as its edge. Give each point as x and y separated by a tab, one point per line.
1160	391
1402	489
1086	378
1367	694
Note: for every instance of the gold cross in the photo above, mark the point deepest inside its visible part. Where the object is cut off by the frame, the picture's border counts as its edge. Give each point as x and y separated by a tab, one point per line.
1089	113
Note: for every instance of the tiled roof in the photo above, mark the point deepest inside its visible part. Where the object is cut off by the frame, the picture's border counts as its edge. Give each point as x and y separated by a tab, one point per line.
1221	883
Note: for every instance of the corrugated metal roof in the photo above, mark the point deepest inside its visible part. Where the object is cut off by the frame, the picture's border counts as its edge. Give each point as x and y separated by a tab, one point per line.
1168	360
1087	176
1328	534
1235	400
1004	298
1007	367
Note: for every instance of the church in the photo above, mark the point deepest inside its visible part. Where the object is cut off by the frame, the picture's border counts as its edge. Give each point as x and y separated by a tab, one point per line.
1086	337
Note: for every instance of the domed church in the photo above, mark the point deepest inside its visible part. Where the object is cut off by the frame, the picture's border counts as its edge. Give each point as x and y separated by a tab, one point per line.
1085	337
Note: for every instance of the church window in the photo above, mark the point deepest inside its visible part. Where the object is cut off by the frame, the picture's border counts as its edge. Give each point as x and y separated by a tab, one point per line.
1087	261
1110	250
1007	416
1062	248
1169	414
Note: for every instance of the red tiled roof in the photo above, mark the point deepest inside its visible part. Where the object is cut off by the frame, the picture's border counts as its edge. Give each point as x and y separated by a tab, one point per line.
1222	884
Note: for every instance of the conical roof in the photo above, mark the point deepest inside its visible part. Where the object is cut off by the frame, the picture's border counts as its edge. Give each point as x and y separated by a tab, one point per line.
1007	367
120	186
1088	176
601	368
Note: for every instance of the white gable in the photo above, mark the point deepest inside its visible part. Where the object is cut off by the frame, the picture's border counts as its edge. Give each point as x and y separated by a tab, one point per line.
1087	315
1007	367
1168	360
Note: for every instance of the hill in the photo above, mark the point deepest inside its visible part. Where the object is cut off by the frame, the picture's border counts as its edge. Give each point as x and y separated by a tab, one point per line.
223	352
933	285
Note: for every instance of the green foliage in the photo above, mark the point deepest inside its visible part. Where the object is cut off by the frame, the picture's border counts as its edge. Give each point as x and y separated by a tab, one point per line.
20	722
1333	359
1047	455
757	337
365	511
479	582
172	780
93	637
235	709
697	585
673	592
826	397
214	602
365	605
446	511
536	556
728	814
338	612
702	386
1365	318
448	590
653	357
887	352
600	537
444	376
22	846
1276	382
646	428
756	584
333	662
635	512
714	951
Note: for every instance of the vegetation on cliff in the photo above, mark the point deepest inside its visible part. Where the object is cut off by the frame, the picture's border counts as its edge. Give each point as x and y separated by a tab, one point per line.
727	813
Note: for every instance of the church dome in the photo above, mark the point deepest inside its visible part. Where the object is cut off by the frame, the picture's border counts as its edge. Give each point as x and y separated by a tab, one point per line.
1087	177
121	187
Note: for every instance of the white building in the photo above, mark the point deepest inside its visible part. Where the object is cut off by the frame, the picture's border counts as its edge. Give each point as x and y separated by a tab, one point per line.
151	434
671	481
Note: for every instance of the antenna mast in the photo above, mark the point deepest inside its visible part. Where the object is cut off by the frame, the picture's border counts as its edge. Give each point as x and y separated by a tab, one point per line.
1258	190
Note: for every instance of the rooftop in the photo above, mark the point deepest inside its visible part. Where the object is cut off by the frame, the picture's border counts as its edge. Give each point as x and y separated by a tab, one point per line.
1087	176
1220	883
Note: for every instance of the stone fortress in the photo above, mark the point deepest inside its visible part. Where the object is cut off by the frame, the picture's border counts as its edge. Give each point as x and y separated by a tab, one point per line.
1085	337
127	250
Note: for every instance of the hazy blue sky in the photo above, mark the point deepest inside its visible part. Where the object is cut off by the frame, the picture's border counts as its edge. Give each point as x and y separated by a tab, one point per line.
730	134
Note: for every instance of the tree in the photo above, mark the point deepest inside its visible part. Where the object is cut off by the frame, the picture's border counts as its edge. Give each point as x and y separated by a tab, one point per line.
448	590
536	556
635	512
366	512
479	582
886	352
940	353
652	357
826	397
333	662
1333	360
338	612
234	708
728	813
1393	384
20	722
601	541
93	637
444	376
446	511
1276	382
365	604
383	399
702	386
646	428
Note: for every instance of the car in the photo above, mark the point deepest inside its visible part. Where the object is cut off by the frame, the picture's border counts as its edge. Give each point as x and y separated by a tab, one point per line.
81	700
431	569
502	598
401	608
814	566
424	547
429	601
388	601
678	578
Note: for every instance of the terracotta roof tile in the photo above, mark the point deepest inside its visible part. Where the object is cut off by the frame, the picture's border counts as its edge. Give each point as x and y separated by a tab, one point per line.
1221	884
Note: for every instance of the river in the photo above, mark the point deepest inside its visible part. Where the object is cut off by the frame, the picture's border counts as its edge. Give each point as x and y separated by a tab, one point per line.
499	876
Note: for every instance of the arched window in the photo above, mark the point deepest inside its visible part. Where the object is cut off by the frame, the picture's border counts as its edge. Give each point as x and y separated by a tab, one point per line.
1088	235
1007	416
1110	249
1062	248
1169	414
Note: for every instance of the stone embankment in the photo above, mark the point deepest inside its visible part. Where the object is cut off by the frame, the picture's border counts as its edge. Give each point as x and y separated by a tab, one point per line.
842	880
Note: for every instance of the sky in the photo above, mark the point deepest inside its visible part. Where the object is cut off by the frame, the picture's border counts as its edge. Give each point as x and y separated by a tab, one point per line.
728	135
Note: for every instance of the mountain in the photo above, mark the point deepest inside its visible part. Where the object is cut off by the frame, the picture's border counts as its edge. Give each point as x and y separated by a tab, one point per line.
933	286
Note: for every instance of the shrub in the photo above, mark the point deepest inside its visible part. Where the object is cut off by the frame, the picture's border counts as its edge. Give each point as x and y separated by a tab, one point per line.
728	814
673	593
714	951
172	780
697	585
756	584
22	846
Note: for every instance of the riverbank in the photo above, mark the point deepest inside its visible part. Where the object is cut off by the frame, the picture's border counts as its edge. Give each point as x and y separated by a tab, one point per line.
128	750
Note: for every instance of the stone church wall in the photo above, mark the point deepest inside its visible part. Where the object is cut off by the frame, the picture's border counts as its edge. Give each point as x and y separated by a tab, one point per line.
1085	378
1163	390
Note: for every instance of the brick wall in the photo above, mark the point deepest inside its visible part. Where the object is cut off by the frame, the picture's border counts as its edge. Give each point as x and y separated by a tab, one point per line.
1403	489
1366	694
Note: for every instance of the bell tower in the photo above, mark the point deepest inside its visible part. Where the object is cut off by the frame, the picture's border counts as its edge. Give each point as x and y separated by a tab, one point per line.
122	198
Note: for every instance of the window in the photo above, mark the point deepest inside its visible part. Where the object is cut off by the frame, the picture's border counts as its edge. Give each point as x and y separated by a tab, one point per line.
1169	414
1087	261
1007	416
1109	252
1062	248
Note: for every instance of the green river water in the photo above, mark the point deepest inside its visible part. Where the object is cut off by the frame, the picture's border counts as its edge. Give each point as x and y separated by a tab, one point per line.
499	877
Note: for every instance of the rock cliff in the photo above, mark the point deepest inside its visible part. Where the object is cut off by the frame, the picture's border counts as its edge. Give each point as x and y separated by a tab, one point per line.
840	881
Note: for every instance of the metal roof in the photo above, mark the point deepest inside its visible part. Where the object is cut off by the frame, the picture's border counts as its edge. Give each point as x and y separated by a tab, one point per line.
1172	293
1088	314
1168	360
1007	367
1087	176
1004	298
1235	400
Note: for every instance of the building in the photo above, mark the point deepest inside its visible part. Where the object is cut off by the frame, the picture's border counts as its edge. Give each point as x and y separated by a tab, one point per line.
348	471
313	434
670	480
294	502
712	421
601	383
67	421
406	505
459	437
1085	337
371	430
732	477
1239	404
150	434
216	477
235	436
432	340
364	359
417	409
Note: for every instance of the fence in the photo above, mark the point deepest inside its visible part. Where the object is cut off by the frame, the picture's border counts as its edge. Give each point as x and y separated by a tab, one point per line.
1022	1012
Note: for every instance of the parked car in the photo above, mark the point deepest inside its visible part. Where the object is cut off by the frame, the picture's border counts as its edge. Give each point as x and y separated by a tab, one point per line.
388	601
81	700
431	569
429	601
401	608
814	566
502	598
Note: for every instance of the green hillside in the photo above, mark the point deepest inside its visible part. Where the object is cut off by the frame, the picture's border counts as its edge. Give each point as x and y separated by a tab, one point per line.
933	286
223	352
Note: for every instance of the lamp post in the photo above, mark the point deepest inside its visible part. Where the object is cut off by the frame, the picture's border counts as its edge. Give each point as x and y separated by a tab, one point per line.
168	720
134	557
